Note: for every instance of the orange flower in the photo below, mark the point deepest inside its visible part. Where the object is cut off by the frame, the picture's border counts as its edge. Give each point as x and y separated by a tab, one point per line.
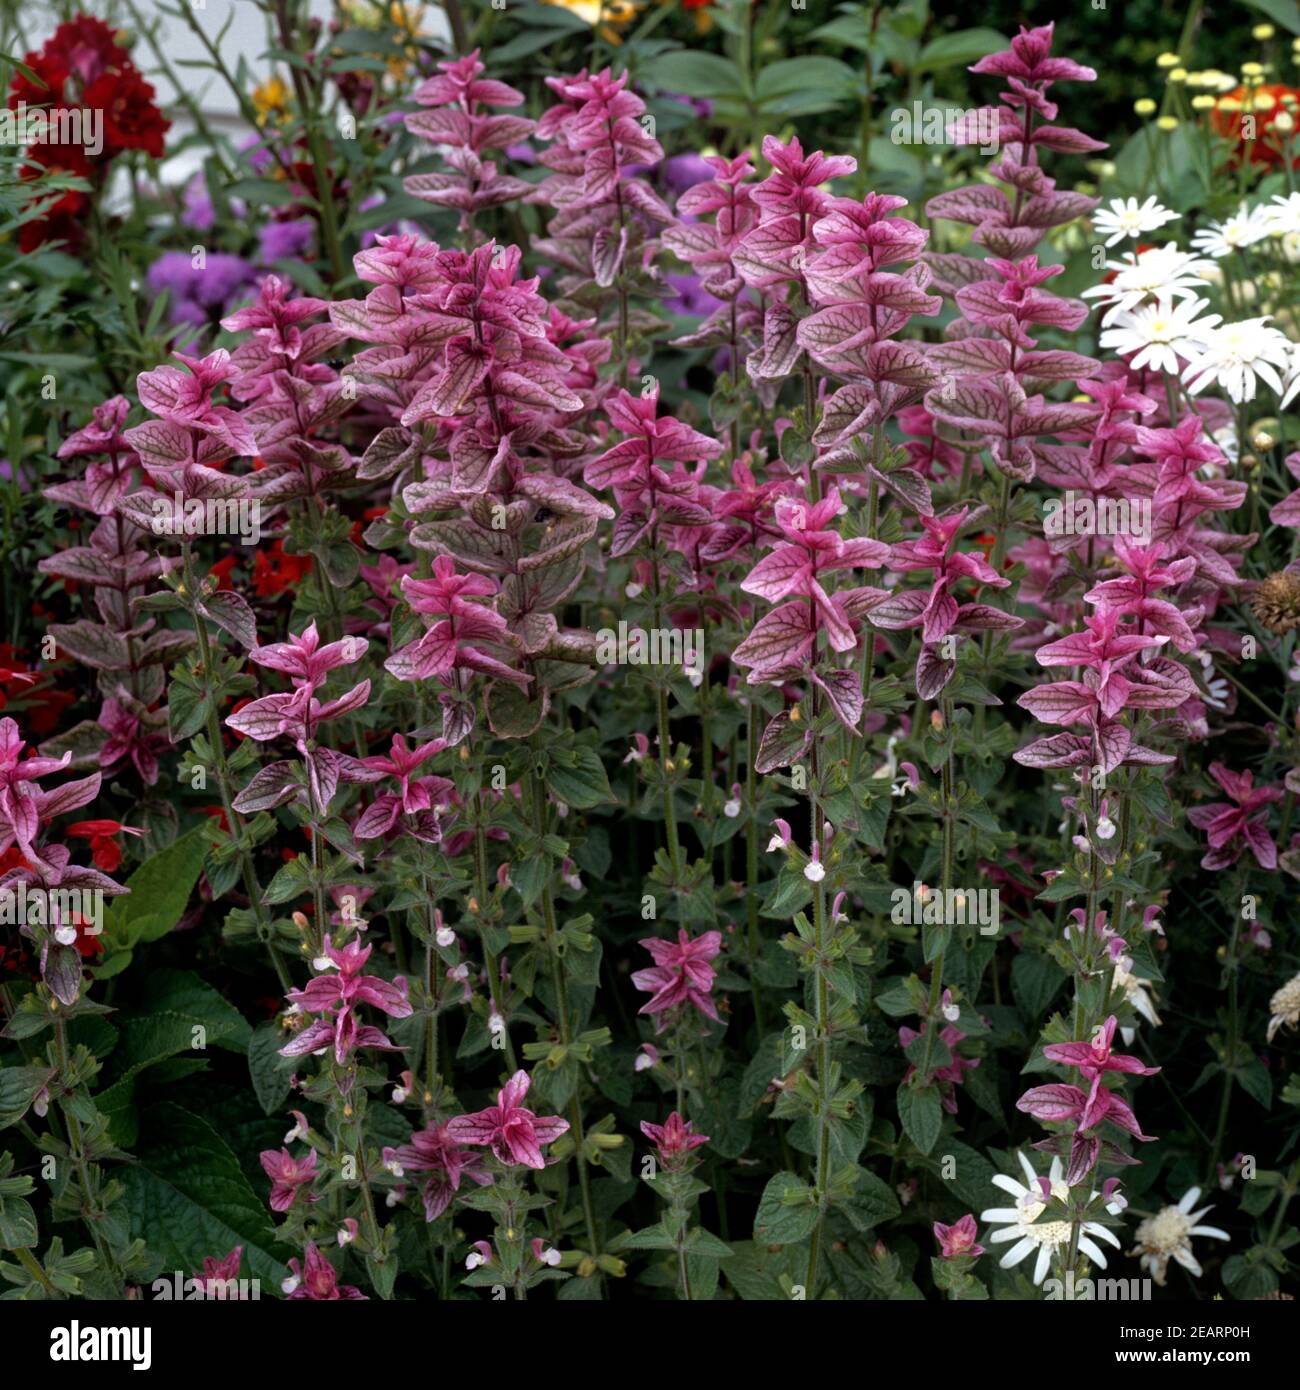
1237	108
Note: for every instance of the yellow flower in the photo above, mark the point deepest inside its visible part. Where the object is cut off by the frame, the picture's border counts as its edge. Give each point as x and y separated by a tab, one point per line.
1168	60
271	98
1252	69
1144	106
1178	75
1167	123
589	11
1204	102
1262	32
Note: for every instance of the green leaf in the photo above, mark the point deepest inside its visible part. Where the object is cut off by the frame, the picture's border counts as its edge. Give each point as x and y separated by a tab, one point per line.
577	777
921	1114
187	1197
1036	981
1283	12
269	1071
18	1088
959	49
695	74
801	86
160	889
780	1221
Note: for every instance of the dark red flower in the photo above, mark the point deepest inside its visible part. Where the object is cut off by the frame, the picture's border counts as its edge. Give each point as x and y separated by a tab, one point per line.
87	47
59	221
131	119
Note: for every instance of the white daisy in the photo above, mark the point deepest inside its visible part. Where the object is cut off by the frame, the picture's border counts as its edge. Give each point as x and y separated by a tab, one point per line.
1244	228
1048	1238
1164	272
1238	356
1124	217
1168	1235
1161	333
1285	1005
1284	216
1291	383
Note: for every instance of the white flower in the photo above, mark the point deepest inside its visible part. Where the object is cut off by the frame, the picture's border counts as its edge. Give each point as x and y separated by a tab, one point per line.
1160	333
288	1285
1238	356
1168	1235
1123	217
65	935
1285	1005
399	1095
549	1256
323	963
1243	229
1047	1238
814	871
1164	272
1284	216
694	675
474	1259
1138	993
444	936
1291	382
731	809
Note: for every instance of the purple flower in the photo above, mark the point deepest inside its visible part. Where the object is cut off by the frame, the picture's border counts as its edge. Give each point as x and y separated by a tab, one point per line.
281	241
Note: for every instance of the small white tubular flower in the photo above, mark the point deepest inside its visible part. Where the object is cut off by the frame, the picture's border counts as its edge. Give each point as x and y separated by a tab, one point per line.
1235	233
1137	991
1158	334
1285	1007
1164	272
1020	1225
1237	357
1125	217
1168	1236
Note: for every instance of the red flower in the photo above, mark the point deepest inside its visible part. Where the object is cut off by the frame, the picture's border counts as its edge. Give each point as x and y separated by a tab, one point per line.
52	72
105	852
218	814
274	571
59	221
131	119
12	859
87	47
222	570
